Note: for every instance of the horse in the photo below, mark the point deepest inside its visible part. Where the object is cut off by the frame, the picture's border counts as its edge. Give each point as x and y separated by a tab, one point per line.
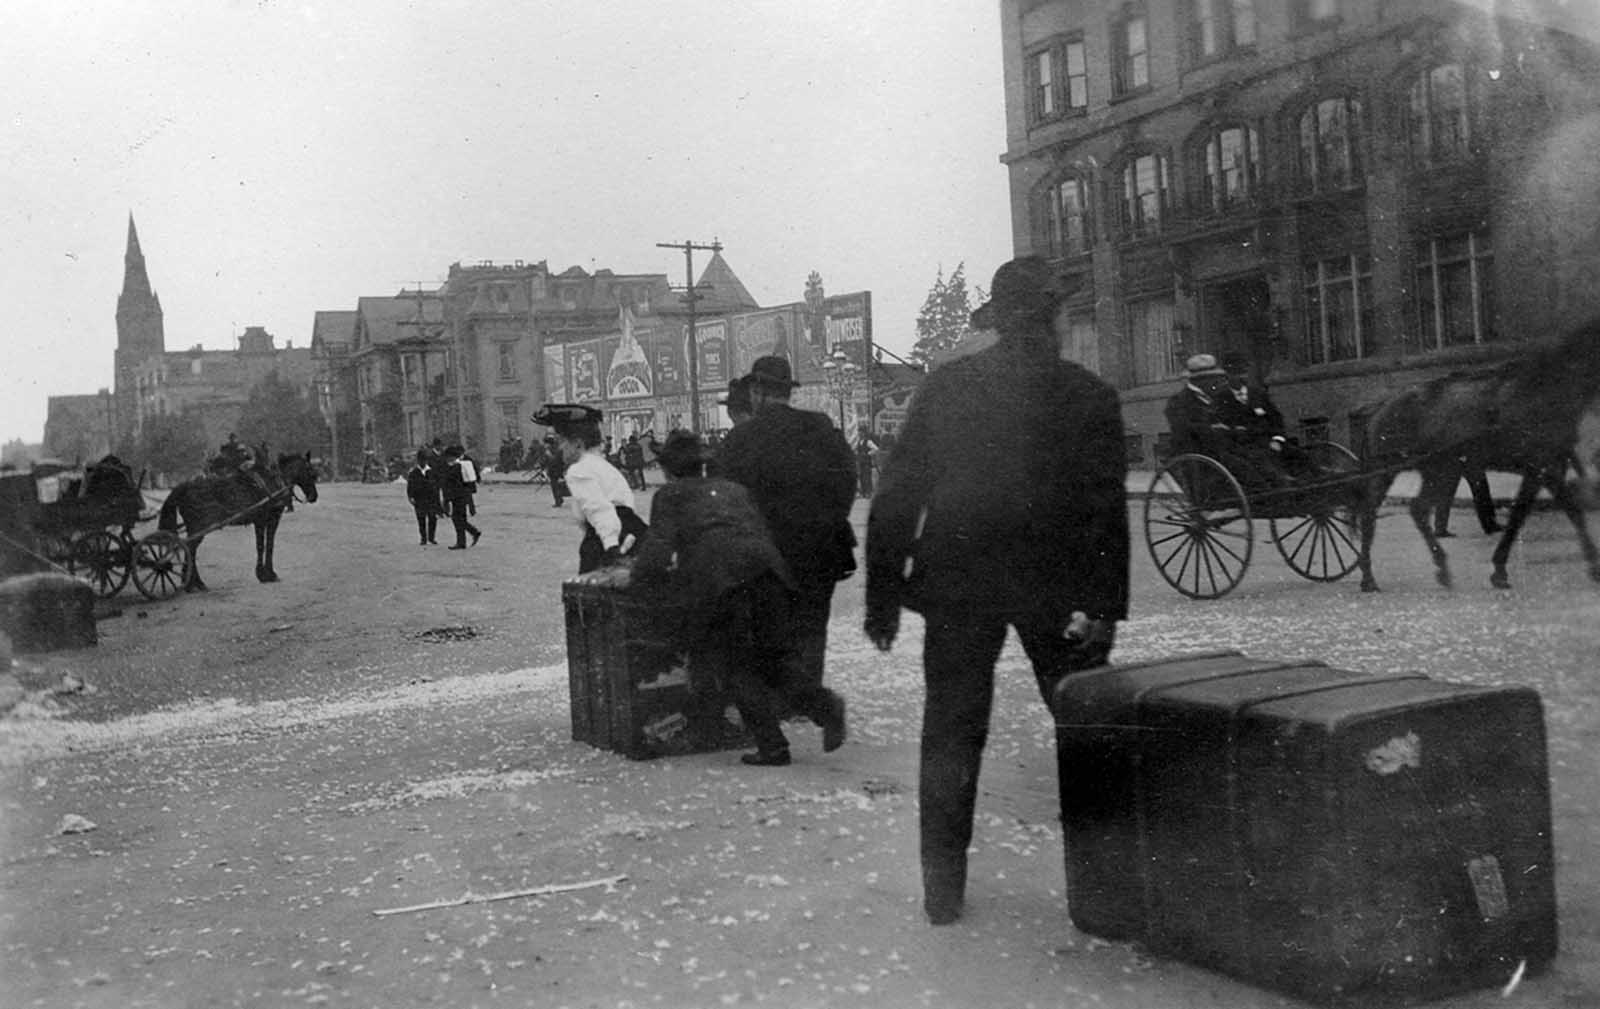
208	503
1536	415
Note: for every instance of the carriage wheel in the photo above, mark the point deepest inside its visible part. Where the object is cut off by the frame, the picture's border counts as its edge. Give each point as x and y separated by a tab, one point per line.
162	564
1324	544
1197	526
103	559
57	549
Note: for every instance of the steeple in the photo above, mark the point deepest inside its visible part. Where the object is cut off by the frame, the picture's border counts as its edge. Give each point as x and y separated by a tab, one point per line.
135	281
139	317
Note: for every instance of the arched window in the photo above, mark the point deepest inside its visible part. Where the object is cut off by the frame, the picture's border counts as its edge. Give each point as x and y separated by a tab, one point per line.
1330	144
1065	216
1439	125
1227	169
1146	195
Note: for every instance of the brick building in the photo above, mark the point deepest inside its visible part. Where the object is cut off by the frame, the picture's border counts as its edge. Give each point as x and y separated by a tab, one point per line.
1358	194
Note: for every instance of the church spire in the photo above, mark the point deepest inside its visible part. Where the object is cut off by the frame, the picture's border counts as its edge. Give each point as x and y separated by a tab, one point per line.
135	281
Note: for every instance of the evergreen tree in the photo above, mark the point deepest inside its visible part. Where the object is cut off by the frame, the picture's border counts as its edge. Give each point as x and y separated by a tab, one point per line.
280	415
946	316
170	444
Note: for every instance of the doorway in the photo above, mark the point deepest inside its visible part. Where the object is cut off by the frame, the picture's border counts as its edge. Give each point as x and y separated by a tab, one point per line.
1236	316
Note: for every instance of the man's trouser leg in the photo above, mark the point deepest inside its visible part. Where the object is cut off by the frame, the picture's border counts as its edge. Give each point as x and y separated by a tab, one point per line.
958	656
808	616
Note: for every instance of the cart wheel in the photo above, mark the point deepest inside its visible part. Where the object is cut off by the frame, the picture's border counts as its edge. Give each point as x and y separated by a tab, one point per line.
1324	544
102	558
1197	526
162	564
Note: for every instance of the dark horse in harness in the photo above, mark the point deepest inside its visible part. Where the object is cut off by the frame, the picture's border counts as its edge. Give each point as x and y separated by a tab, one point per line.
208	503
1534	415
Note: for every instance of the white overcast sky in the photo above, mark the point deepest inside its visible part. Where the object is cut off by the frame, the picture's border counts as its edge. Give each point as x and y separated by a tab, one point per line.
281	158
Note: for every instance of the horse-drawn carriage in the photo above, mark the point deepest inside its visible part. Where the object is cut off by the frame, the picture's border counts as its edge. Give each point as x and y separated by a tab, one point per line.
1200	518
85	525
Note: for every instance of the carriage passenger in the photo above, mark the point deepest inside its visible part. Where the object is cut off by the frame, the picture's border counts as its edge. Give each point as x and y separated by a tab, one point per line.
1202	422
1249	410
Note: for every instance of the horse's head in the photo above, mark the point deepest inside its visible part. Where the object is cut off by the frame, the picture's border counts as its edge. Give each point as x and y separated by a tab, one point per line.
300	472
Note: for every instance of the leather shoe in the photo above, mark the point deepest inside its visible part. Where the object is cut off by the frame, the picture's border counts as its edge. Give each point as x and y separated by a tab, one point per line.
833	730
456	546
475	534
1443	534
777	758
942	912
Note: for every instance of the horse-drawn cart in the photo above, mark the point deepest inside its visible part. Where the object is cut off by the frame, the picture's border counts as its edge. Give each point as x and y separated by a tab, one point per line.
86	526
1199	520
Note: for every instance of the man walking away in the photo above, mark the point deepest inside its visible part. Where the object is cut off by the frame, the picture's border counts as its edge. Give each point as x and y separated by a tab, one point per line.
458	497
633	462
800	471
1004	497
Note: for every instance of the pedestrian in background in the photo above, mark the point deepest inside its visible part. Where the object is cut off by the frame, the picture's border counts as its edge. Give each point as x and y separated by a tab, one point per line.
801	473
457	493
1005	497
709	548
633	462
422	490
555	467
866	449
602	501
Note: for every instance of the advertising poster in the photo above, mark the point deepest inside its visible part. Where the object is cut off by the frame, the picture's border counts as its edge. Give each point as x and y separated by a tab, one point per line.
665	350
712	338
555	373
583	370
842	321
761	334
628	373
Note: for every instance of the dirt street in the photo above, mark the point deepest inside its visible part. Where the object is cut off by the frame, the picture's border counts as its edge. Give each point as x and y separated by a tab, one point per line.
264	767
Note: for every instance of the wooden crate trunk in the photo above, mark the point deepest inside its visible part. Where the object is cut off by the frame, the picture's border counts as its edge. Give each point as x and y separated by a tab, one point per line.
1336	836
629	684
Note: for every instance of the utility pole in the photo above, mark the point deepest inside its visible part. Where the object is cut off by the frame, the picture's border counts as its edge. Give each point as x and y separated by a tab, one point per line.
690	296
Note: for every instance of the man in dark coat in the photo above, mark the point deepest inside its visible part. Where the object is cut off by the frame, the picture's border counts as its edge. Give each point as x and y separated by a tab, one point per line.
633	462
1005	498
422	490
709	545
457	492
801	472
1207	419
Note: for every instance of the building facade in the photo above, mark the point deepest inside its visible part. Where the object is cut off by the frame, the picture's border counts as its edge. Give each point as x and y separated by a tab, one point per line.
1356	194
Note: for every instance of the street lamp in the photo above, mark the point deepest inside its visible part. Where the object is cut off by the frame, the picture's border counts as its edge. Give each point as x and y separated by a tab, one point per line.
839	374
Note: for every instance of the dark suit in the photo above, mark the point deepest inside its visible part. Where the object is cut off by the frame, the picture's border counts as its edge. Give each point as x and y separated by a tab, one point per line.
457	494
1012	461
738	591
801	473
423	493
1215	426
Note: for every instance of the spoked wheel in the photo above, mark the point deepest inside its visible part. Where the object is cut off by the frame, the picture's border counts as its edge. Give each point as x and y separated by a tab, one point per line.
1324	544
162	564
102	558
56	548
1197	526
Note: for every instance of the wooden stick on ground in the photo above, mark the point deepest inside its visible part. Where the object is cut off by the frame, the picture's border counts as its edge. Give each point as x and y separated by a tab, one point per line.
472	898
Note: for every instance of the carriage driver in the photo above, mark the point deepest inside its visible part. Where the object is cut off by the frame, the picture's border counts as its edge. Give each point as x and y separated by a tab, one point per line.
1204	418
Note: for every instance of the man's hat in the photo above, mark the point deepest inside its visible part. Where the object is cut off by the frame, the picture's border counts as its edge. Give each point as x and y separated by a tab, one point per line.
738	395
1024	287
564	416
682	451
1235	360
1201	365
771	370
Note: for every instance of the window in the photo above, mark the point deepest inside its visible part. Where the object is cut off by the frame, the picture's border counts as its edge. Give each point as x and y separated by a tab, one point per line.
1130	47
1145	195
1439	124
507	355
1339	320
1313	14
1082	341
1228	168
1330	144
1058	80
414	429
1455	290
410	376
1221	26
1065	217
1155	347
510	424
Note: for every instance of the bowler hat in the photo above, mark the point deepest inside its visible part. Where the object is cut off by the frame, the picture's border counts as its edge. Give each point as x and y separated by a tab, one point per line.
738	397
1201	365
1234	360
682	452
566	415
1024	288
771	370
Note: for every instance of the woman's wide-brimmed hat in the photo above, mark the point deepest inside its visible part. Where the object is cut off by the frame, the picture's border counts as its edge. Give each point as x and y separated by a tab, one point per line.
567	416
